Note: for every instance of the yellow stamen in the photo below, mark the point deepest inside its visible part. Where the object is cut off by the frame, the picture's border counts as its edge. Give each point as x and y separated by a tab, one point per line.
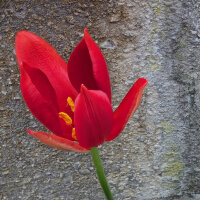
74	134
65	117
71	103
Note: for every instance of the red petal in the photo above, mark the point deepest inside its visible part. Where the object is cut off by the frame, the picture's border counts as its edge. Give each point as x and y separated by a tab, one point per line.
38	54
93	117
43	110
128	106
80	67
87	66
57	142
100	70
42	84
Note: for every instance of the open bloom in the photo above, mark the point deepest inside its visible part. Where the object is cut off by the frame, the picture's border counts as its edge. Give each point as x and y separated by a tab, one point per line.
73	101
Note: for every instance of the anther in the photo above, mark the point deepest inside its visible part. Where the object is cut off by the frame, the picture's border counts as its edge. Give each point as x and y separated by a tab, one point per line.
74	134
65	117
71	103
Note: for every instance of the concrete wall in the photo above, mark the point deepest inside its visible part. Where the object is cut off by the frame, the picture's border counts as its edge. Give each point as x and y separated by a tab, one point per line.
157	155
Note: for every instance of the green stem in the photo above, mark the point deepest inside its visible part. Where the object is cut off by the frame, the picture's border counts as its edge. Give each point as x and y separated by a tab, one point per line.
100	173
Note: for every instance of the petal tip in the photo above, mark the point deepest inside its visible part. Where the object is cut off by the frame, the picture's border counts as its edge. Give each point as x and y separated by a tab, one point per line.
25	35
144	80
141	82
86	31
30	132
22	33
83	88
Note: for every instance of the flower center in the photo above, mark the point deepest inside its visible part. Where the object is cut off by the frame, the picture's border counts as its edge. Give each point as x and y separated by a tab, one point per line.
68	120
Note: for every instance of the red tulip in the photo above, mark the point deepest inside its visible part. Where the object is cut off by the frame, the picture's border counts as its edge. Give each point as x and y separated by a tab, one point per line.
73	101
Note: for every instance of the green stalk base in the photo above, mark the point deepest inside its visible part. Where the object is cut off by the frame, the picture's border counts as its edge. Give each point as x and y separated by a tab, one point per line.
100	173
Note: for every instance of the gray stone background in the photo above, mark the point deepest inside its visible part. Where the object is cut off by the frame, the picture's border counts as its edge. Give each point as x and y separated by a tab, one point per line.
157	155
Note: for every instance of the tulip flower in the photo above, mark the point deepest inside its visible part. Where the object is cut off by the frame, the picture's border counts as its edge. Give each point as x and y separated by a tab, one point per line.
72	100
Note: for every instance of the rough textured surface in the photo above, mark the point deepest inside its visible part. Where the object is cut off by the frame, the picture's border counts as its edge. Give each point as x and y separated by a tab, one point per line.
157	155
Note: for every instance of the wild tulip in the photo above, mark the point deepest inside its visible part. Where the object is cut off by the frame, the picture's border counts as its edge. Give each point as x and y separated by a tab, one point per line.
73	101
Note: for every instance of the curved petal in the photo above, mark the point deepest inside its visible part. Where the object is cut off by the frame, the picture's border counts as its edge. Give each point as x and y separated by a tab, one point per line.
87	66
45	111
128	106
42	84
38	54
93	117
80	68
100	70
56	141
